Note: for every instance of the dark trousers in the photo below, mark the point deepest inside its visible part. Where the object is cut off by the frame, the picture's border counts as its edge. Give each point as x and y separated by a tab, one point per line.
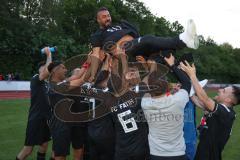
183	157
149	44
136	157
101	149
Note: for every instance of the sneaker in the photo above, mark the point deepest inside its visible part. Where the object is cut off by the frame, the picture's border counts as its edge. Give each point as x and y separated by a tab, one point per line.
189	36
105	89
202	83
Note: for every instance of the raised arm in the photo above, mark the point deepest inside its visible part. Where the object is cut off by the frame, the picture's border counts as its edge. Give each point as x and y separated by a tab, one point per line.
68	88
197	102
95	63
124	64
106	63
152	83
181	76
201	94
44	74
142	60
120	66
152	70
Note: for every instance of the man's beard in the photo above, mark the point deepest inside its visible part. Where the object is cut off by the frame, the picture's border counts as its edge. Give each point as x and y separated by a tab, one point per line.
108	23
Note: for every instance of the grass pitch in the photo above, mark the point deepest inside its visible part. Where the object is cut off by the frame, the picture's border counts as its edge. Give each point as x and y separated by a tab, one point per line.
13	118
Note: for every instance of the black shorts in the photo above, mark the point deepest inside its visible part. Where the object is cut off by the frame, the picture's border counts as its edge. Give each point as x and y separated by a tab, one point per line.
63	134
37	132
133	157
102	149
183	157
78	136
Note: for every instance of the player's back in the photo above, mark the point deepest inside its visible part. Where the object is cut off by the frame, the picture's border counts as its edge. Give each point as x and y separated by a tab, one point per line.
130	125
39	105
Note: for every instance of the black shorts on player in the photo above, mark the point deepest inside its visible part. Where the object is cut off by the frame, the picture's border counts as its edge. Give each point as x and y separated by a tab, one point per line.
37	131
64	133
101	136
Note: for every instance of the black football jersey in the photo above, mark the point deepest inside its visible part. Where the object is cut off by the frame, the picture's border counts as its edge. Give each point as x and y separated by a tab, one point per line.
113	33
39	105
130	125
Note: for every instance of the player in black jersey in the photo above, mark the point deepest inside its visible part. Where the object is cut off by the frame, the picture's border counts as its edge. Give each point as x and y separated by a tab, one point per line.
129	121
65	133
130	125
124	36
124	105
217	123
101	131
37	132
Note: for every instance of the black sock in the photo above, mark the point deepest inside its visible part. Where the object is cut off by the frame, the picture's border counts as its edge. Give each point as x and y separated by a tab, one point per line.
17	158
41	156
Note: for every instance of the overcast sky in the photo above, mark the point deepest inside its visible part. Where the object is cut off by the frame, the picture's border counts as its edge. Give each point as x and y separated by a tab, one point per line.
217	19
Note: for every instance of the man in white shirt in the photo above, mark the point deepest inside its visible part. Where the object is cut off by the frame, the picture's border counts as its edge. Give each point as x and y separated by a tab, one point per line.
165	115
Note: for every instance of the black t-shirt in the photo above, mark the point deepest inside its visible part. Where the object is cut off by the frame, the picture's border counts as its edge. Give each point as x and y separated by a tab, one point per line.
112	34
80	104
56	124
215	134
53	96
81	99
129	122
54	92
130	125
39	105
101	128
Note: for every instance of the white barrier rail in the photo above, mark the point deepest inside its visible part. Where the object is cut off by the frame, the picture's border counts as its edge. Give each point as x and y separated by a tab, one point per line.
14	85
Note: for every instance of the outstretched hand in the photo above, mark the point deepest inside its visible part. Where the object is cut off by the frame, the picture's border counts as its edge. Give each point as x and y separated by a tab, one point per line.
189	69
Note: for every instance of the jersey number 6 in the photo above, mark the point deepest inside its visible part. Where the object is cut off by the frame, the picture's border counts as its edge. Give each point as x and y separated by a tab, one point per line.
130	121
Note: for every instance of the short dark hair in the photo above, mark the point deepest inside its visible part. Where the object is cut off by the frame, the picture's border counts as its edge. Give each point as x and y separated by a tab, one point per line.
161	84
101	9
236	93
52	65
